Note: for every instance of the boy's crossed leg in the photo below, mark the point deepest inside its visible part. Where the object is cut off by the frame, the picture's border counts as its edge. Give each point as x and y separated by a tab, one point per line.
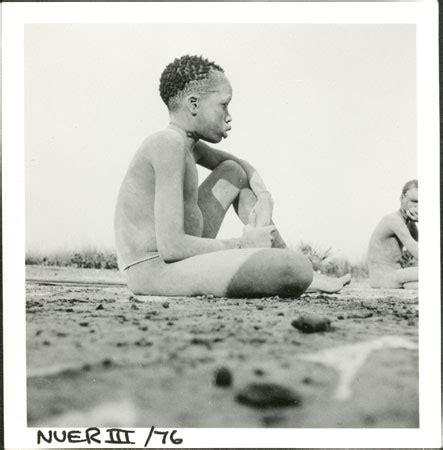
249	272
228	184
388	278
407	277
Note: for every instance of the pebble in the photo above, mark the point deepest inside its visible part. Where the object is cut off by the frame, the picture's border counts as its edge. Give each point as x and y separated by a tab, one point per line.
259	372
267	395
269	421
201	341
143	343
84	324
363	315
99	308
107	363
223	377
311	323
370	304
134	306
165	304
260	307
280	314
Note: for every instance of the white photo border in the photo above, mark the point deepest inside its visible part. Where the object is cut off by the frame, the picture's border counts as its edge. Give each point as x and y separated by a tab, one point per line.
423	14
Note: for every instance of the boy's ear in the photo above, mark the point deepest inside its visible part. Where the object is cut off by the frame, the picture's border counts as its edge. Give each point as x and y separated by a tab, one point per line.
193	103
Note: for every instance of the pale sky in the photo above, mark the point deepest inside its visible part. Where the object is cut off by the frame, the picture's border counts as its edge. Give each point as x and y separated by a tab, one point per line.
325	112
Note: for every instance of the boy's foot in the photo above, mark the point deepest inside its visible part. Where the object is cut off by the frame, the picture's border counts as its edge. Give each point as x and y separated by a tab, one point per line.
346	279
336	284
329	285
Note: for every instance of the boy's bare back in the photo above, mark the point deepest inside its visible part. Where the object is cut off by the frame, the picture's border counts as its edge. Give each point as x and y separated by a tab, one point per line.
154	168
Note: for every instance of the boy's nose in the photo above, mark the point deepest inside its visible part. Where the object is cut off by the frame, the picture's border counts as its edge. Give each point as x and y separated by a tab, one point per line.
228	118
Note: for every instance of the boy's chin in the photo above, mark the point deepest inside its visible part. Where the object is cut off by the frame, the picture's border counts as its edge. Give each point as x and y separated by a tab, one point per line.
212	139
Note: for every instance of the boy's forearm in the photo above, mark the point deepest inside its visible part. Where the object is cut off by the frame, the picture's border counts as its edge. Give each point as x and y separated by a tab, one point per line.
414	251
188	246
412	248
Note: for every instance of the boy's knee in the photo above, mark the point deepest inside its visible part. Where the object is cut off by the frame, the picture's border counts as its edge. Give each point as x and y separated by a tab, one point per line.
296	272
234	173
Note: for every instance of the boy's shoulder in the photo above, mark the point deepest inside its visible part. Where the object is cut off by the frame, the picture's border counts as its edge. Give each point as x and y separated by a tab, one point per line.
386	224
394	221
161	144
166	138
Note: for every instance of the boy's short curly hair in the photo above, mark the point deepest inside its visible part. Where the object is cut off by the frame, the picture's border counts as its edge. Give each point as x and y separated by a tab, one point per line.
409	185
183	71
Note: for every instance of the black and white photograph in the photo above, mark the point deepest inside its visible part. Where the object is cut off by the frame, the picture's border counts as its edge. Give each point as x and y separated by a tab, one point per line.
216	225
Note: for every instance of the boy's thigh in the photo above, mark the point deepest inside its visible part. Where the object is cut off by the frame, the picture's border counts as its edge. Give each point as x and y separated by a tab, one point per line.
384	278
208	273
407	275
235	273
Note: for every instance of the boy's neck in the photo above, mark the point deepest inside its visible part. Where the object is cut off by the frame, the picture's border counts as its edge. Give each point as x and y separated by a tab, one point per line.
191	136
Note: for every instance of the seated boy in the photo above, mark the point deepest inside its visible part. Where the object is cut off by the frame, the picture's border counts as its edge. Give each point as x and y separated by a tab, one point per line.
166	225
395	232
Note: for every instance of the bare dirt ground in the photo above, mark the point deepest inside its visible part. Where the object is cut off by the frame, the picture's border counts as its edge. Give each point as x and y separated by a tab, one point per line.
98	356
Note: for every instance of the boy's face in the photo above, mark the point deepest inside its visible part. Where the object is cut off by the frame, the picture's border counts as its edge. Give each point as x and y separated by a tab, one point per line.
213	118
409	203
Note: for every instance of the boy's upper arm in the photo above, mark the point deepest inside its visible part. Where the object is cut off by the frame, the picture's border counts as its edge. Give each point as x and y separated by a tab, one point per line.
169	166
402	232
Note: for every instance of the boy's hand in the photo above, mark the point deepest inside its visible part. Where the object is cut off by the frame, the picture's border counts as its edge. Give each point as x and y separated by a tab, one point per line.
261	214
412	213
257	237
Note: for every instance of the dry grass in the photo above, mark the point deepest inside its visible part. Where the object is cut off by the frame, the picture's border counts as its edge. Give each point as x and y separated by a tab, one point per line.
87	258
324	261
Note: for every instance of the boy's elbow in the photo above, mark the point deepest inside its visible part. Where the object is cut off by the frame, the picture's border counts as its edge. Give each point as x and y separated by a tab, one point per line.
170	257
170	251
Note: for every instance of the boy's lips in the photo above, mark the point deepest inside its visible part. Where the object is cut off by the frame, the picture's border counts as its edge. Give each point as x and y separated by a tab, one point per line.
225	133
